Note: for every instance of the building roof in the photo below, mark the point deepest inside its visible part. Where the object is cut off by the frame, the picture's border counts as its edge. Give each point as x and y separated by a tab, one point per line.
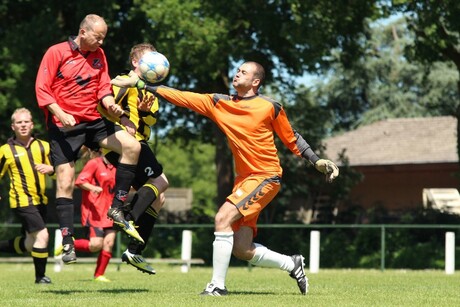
398	141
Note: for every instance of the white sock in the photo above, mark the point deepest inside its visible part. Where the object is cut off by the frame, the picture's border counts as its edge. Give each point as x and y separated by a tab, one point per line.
222	252
270	259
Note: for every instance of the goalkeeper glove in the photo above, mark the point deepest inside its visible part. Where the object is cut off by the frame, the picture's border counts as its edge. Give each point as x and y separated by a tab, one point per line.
133	80
328	168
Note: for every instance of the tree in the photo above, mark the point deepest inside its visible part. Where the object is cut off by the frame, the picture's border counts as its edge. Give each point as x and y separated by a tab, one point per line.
383	83
205	39
437	29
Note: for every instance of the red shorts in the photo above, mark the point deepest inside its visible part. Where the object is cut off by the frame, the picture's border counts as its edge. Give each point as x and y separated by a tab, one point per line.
250	195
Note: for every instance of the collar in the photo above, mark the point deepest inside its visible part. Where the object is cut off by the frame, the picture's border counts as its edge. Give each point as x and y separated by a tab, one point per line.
72	43
238	98
14	141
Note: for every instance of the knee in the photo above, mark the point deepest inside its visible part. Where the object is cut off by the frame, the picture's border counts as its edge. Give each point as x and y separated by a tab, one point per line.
132	147
108	246
42	238
161	202
161	182
221	220
95	246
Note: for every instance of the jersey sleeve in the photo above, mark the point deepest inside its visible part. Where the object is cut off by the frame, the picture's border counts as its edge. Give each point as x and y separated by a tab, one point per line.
200	103
104	86
45	77
292	139
87	173
3	164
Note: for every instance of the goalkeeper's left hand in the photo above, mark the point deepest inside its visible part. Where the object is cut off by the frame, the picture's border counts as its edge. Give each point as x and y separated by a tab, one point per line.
328	168
133	80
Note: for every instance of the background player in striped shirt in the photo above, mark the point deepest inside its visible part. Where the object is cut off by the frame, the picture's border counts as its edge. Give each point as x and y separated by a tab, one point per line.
249	120
26	160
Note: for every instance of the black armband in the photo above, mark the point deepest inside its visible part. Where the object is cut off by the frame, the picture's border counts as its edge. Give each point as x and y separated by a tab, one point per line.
310	155
151	88
305	149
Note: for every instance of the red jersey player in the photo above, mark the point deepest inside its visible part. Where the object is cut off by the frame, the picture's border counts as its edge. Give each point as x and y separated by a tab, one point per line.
97	181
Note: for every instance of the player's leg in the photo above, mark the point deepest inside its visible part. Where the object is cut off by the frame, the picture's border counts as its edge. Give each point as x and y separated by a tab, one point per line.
150	183
94	241
65	146
65	175
15	245
40	255
37	238
145	223
257	254
222	248
110	136
105	255
146	195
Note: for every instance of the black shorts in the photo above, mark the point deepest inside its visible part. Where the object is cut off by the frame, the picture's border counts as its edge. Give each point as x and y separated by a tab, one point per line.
66	143
95	232
147	165
33	218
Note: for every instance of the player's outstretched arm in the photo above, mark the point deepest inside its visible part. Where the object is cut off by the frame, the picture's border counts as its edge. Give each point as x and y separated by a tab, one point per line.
133	80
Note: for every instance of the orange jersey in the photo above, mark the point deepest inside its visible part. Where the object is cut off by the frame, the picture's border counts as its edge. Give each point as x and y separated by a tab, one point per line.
249	124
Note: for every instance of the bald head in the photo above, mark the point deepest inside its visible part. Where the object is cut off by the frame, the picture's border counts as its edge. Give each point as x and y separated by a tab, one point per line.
93	30
90	21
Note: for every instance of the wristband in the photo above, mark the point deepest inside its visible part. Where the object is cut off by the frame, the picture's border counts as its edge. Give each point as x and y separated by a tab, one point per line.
140	84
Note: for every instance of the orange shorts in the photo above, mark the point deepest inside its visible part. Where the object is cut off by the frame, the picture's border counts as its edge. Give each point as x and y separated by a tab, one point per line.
250	195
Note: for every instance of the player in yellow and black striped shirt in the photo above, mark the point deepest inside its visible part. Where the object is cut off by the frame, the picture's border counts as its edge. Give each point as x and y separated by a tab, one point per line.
26	160
140	113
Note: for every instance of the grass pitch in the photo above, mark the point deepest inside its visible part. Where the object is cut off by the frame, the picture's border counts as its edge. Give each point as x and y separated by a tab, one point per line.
73	286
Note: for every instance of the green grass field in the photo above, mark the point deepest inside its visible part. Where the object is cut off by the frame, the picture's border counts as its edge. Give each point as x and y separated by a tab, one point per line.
256	287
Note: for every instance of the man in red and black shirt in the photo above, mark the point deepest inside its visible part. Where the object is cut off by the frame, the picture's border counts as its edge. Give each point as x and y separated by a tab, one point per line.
72	79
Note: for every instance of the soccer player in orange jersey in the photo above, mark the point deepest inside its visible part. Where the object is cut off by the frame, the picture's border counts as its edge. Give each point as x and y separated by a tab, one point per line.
248	119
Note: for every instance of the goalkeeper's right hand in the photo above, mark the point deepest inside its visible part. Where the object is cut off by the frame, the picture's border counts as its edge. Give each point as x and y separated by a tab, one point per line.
328	168
133	80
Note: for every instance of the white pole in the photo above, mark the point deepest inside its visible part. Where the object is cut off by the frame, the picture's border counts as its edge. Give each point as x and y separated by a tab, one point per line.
58	264
450	252
186	253
314	251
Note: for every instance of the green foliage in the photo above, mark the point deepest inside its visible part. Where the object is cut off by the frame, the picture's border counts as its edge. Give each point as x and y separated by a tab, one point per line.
188	165
384	84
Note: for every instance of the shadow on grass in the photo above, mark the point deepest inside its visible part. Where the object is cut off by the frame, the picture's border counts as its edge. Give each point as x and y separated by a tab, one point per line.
111	291
252	293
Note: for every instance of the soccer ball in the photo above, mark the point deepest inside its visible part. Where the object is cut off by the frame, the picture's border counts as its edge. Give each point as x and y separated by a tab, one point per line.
154	67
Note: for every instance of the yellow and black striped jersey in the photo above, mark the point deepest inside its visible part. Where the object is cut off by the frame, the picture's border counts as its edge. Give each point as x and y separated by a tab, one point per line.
27	186
128	99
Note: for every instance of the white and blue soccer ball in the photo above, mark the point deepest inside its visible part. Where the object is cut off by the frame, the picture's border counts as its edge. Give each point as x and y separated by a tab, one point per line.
154	67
